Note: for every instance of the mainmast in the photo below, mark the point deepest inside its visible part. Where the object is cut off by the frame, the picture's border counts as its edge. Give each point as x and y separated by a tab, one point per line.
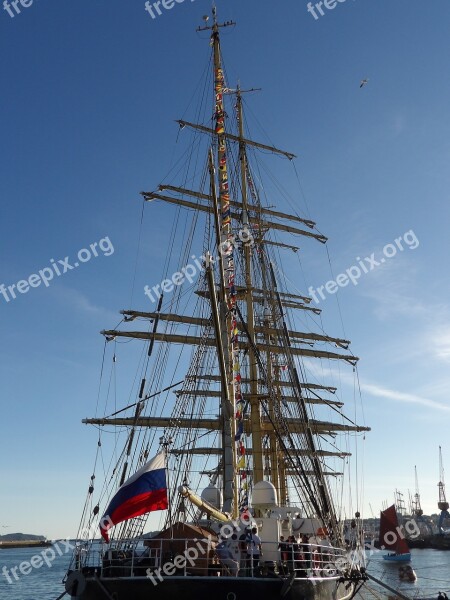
255	414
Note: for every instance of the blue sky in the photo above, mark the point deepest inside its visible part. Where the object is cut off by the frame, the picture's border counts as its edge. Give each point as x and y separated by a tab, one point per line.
89	97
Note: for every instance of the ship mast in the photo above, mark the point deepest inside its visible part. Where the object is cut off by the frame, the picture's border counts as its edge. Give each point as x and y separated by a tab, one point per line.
231	392
226	392
255	414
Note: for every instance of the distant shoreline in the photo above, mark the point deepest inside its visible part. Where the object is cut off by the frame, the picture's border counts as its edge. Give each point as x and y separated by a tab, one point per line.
24	544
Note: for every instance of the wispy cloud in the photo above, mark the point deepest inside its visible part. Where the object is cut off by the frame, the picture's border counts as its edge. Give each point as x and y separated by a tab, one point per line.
440	341
392	288
389	303
373	389
394	294
405	397
81	303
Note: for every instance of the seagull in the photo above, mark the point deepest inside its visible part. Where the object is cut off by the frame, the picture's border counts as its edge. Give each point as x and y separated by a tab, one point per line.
363	83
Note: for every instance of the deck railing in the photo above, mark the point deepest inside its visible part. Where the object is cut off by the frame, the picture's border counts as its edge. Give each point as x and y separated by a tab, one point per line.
200	557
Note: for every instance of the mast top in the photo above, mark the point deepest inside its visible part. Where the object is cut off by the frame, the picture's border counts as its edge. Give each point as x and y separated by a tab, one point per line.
215	26
238	91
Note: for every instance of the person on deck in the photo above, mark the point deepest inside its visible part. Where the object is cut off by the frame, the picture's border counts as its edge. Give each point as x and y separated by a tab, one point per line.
253	551
283	547
292	547
306	550
244	540
226	557
235	548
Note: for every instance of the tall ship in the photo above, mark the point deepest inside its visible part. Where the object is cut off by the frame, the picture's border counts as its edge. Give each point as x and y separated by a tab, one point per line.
229	435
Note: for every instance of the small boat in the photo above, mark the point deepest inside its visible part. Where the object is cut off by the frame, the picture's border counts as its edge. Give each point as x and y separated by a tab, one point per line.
391	537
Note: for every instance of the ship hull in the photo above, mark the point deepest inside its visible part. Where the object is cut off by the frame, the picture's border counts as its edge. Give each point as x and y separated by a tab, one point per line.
213	588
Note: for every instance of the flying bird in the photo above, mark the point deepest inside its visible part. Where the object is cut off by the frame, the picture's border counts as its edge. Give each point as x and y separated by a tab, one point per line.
363	83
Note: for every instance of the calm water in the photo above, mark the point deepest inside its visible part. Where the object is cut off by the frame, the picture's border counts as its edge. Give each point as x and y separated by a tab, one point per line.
432	568
44	583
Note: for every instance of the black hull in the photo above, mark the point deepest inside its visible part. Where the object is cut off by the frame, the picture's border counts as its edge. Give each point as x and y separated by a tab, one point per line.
213	588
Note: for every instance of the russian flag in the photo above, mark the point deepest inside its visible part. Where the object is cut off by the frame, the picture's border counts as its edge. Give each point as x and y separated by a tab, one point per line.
144	492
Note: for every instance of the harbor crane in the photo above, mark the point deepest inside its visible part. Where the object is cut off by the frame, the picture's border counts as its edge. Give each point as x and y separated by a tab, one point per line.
442	504
416	507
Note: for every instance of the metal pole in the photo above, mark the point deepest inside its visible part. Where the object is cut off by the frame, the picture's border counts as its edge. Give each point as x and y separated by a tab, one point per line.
165	443
398	594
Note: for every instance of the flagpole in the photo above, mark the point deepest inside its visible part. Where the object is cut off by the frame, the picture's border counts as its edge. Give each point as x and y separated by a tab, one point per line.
165	443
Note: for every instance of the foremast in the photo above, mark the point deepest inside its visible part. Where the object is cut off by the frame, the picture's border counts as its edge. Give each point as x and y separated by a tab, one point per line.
229	297
229	291
231	386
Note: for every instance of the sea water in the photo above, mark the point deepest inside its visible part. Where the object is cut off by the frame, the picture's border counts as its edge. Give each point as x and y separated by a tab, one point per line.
41	582
44	582
432	568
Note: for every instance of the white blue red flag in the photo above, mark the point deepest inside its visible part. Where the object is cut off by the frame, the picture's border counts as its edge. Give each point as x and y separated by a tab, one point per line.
144	492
